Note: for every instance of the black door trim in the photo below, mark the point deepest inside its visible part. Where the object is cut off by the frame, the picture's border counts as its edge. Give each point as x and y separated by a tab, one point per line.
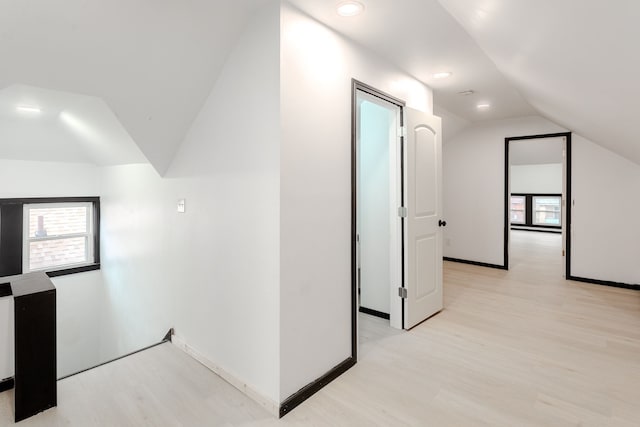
310	389
355	87
567	195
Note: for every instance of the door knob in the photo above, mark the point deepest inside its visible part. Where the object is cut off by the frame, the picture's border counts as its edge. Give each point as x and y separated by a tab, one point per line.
442	223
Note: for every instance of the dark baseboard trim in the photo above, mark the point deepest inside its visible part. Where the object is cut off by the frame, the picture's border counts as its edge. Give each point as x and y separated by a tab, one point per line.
605	283
5	290
315	386
479	264
6	384
164	340
376	313
537	231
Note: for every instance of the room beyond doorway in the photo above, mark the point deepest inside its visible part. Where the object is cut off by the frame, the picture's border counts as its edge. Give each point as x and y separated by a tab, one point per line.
538	191
378	192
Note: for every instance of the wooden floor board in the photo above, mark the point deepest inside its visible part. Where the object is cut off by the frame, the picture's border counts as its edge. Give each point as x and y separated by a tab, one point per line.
521	347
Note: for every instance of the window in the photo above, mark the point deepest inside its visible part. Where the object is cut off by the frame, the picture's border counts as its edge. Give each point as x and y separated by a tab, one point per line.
58	235
518	209
546	210
542	211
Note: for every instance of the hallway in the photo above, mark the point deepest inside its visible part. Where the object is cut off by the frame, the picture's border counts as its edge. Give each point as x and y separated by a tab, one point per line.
510	348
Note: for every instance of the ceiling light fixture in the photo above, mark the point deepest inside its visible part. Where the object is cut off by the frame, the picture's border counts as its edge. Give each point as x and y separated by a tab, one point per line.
442	75
483	106
350	8
28	109
466	92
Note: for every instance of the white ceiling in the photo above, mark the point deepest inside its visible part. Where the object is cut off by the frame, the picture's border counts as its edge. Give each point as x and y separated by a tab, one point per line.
69	128
422	38
152	62
575	61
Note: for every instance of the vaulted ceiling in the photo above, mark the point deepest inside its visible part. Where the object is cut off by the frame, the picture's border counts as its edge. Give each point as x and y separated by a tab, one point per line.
574	62
152	63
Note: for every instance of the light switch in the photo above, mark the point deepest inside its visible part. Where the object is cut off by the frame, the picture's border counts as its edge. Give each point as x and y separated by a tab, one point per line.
181	206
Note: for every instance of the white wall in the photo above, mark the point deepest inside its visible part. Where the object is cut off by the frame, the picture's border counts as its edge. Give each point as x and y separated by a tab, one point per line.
79	299
536	178
606	234
374	210
452	124
473	180
212	272
77	295
317	66
137	273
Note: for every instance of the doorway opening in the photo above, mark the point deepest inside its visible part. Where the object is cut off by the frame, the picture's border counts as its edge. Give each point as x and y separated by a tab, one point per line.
377	229
537	230
396	211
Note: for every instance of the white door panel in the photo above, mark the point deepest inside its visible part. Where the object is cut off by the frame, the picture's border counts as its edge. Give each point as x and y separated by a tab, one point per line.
424	203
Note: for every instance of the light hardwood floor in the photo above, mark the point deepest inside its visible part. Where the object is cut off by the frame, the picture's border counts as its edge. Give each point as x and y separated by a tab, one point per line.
516	348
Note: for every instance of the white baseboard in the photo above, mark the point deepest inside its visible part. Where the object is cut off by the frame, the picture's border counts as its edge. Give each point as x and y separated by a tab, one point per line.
271	406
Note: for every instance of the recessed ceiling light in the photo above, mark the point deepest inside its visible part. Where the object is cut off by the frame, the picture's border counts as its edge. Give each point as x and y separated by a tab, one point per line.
442	75
466	92
483	106
350	8
28	109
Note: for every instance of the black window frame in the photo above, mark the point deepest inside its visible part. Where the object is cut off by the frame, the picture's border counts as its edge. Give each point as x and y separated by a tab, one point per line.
12	234
529	210
525	210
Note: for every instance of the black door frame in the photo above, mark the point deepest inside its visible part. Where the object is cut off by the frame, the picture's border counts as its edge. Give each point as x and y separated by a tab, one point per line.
566	194
355	87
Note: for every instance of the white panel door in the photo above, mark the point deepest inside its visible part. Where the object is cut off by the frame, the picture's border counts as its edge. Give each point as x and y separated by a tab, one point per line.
423	260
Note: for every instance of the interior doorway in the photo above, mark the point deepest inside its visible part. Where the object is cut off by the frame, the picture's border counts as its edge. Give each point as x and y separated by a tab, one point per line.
378	193
537	207
396	211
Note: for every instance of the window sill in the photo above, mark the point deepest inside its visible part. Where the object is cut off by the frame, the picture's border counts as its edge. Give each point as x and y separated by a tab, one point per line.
73	270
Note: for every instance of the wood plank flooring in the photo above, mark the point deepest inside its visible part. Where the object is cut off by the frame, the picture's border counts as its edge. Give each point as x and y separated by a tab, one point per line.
517	348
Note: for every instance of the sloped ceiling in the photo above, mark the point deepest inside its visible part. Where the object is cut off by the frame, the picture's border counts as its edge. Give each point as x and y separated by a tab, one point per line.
65	128
422	39
574	61
152	62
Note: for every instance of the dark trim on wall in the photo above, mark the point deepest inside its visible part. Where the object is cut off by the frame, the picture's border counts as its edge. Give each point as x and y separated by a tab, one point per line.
73	270
355	87
164	340
5	290
606	283
479	264
569	204
567	194
537	194
354	229
10	238
507	205
547	227
537	231
375	313
312	388
7	384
